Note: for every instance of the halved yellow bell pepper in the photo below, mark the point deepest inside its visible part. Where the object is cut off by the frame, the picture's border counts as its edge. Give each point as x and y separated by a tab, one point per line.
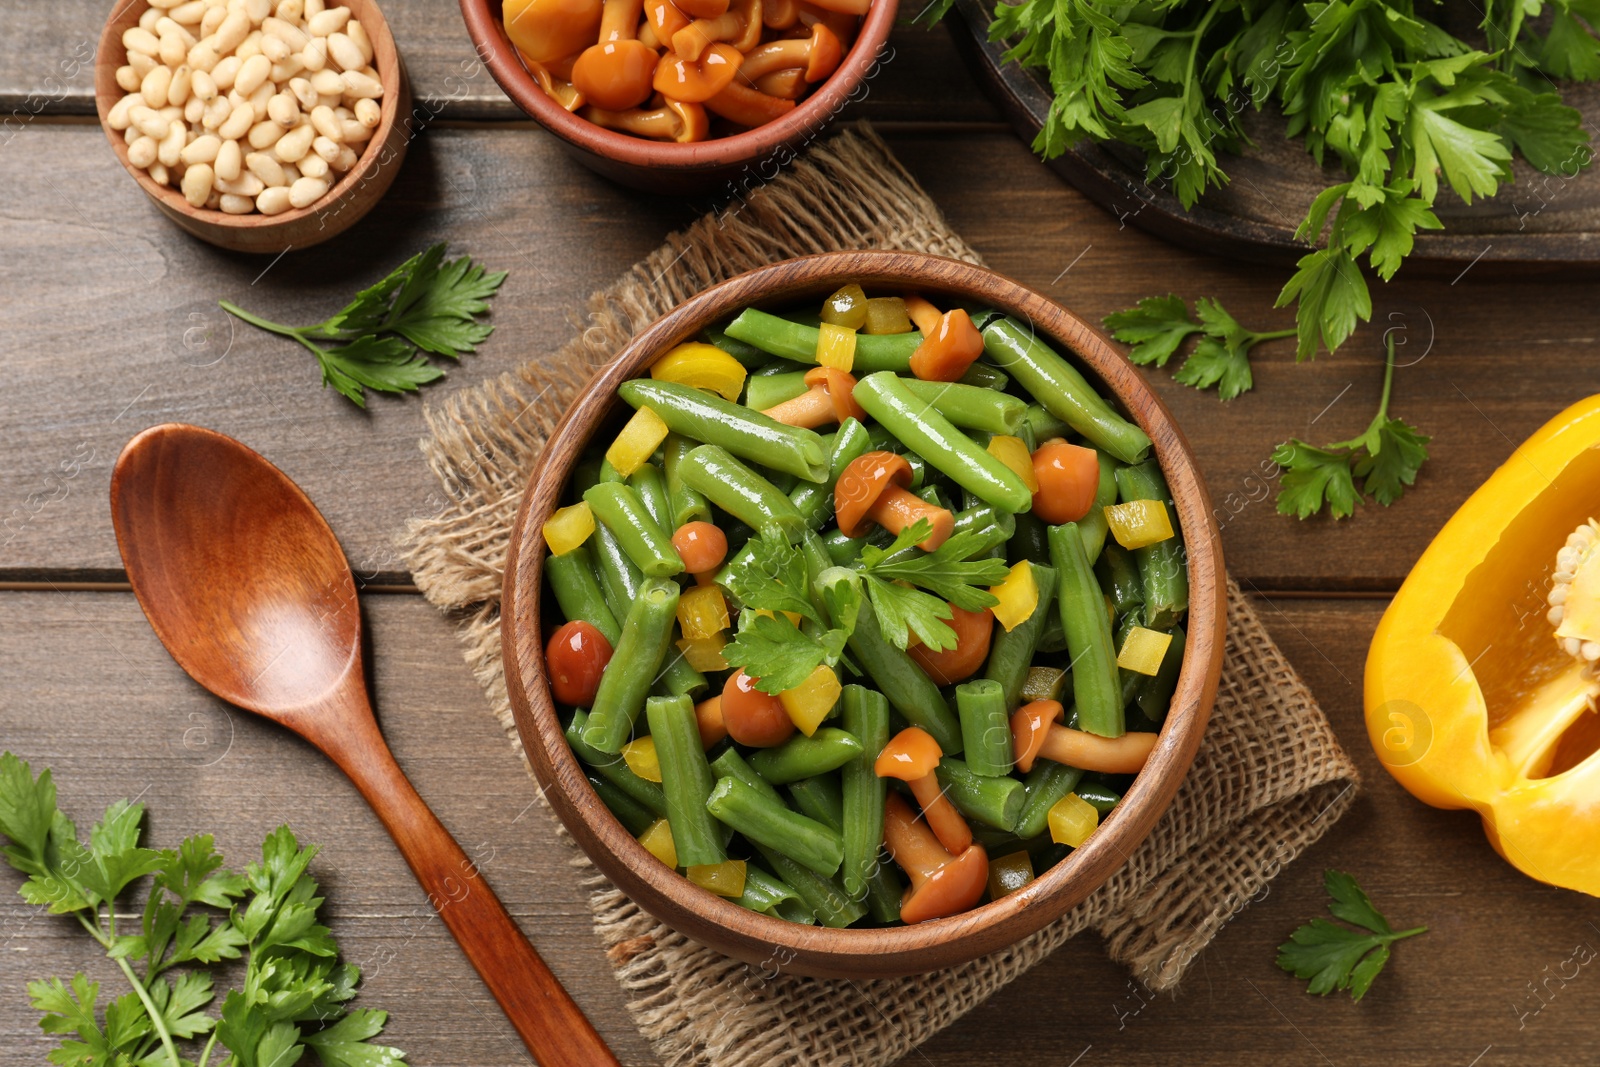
1471	702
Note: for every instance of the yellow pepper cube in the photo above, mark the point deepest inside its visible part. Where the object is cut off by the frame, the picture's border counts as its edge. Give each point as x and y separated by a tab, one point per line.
657	840
812	700
702	366
1143	650
886	314
1013	452
640	756
702	612
1138	523
633	446
705	653
1072	820
569	528
836	347
1009	873
1018	595
1043	683
725	879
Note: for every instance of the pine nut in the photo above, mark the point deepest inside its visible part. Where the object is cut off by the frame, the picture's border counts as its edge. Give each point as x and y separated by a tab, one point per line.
274	49
120	117
304	95
142	152
294	144
202	149
326	148
284	110
264	135
172	49
244	185
358	34
313	166
354	132
236	205
239	122
159	173
329	21
315	54
194	109
314	8
230	160
155	85
138	39
307	191
328	83
291	10
274	201
148	20
361	86
231	34
252	74
203	86
149	122
288	32
197	181
327	123
347	159
213	17
257	10
344	52
266	167
368	113
170	150
188	14
216	113
224	73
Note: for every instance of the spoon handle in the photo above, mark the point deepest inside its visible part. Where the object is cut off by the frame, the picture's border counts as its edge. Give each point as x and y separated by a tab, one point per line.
550	1023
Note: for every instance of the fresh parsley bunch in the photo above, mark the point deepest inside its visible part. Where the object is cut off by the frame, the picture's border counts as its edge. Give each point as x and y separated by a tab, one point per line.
295	994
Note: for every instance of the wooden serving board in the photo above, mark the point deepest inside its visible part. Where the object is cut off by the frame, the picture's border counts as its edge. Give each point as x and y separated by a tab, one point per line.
1540	220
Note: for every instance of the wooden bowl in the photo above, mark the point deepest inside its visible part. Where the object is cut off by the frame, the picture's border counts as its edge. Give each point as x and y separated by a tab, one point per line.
355	193
873	952
731	166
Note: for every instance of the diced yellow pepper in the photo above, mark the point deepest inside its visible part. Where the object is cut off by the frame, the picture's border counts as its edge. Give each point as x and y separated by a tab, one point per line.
811	701
836	347
1009	873
705	653
886	314
633	446
725	879
1018	595
1043	683
640	756
1143	650
568	528
1138	523
702	366
702	612
1013	452
846	307
657	840
1072	820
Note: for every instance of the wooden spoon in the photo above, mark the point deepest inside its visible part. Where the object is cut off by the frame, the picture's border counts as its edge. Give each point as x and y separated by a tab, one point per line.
245	584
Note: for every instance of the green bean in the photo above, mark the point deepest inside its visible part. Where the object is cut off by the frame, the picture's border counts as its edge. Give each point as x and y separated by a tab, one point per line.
629	812
970	407
1099	797
985	377
769	390
1093	526
1043	683
621	511
820	797
1011	651
1030	542
1118	575
814	501
996	802
683	504
749	356
1096	688
764	822
827	901
685	779
945	448
798	341
677	677
1063	391
1043	425
619	578
747	434
865	713
1161	565
895	674
1053	638
730	764
801	757
571	576
843	550
1155	692
765	893
585	474
613	769
647	483
773	365
624	684
608	473
883	440
1044	787
740	491
985	725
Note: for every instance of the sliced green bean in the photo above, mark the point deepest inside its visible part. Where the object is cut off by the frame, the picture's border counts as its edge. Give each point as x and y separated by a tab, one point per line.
985	377
749	356
798	341
814	501
614	769
683	504
820	797
826	899
608	473
766	893
843	550
1011	652
571	577
945	448
646	632
1161	565
996	802
1045	785
677	677
865	713
648	483
1118	575
985	724
686	780
730	764
619	578
1043	425
765	391
629	812
970	407
1093	526
747	434
740	491
802	757
1062	390
1099	797
1155	692
772	825
622	512
1096	687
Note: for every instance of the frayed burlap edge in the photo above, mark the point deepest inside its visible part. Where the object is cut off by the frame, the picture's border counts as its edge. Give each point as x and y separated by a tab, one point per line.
1269	780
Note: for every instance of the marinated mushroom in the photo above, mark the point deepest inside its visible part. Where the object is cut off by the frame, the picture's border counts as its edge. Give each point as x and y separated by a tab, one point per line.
1035	734
941	884
828	399
616	73
677	120
912	755
818	55
873	487
696	81
549	30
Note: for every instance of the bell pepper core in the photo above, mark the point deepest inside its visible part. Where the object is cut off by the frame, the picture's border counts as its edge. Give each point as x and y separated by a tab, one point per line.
568	528
912	755
874	486
830	398
941	884
1036	735
818	55
616	72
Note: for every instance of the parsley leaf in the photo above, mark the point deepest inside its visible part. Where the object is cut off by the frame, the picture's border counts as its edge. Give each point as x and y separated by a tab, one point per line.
428	303
773	577
1314	477
1338	957
1157	326
777	653
890	574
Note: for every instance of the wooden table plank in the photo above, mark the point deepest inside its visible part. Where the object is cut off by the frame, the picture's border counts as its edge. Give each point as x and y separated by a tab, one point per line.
119	340
101	703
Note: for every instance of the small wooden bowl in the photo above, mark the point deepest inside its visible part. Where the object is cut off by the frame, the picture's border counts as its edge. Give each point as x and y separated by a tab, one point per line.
873	952
355	193
733	166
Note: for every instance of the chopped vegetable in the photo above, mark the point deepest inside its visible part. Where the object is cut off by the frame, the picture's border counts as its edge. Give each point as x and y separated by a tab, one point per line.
1066	479
1013	452
575	659
702	366
568	528
1143	650
948	349
657	841
1009	873
725	879
641	436
1338	957
847	307
640	756
1072	820
705	653
752	717
808	703
702	547
1138	523
702	612
886	314
836	347
1017	597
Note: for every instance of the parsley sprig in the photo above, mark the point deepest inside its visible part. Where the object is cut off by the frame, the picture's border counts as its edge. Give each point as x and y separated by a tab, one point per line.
911	593
1338	957
197	913
377	341
772	582
1158	325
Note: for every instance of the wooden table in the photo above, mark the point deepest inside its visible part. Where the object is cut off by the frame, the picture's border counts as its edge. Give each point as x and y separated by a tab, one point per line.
109	324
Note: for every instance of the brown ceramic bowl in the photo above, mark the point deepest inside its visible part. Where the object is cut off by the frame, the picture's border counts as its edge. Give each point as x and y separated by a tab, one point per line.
732	165
669	896
356	192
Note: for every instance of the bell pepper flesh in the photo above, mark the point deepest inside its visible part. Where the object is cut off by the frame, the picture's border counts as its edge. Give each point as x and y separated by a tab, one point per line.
568	528
640	756
702	612
702	366
725	879
813	699
705	653
657	840
836	346
1072	820
1138	523
1013	452
1007	874
1143	650
1018	596
1470	701
639	438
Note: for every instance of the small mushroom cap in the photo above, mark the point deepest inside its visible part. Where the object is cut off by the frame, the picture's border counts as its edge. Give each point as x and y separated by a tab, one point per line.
862	482
615	75
696	81
1030	725
826	52
950	890
910	754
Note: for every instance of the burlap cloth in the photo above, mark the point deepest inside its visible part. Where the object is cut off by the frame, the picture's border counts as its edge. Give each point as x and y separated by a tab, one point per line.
1269	780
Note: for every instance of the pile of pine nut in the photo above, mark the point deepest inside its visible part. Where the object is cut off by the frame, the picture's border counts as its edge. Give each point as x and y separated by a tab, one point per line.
247	105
